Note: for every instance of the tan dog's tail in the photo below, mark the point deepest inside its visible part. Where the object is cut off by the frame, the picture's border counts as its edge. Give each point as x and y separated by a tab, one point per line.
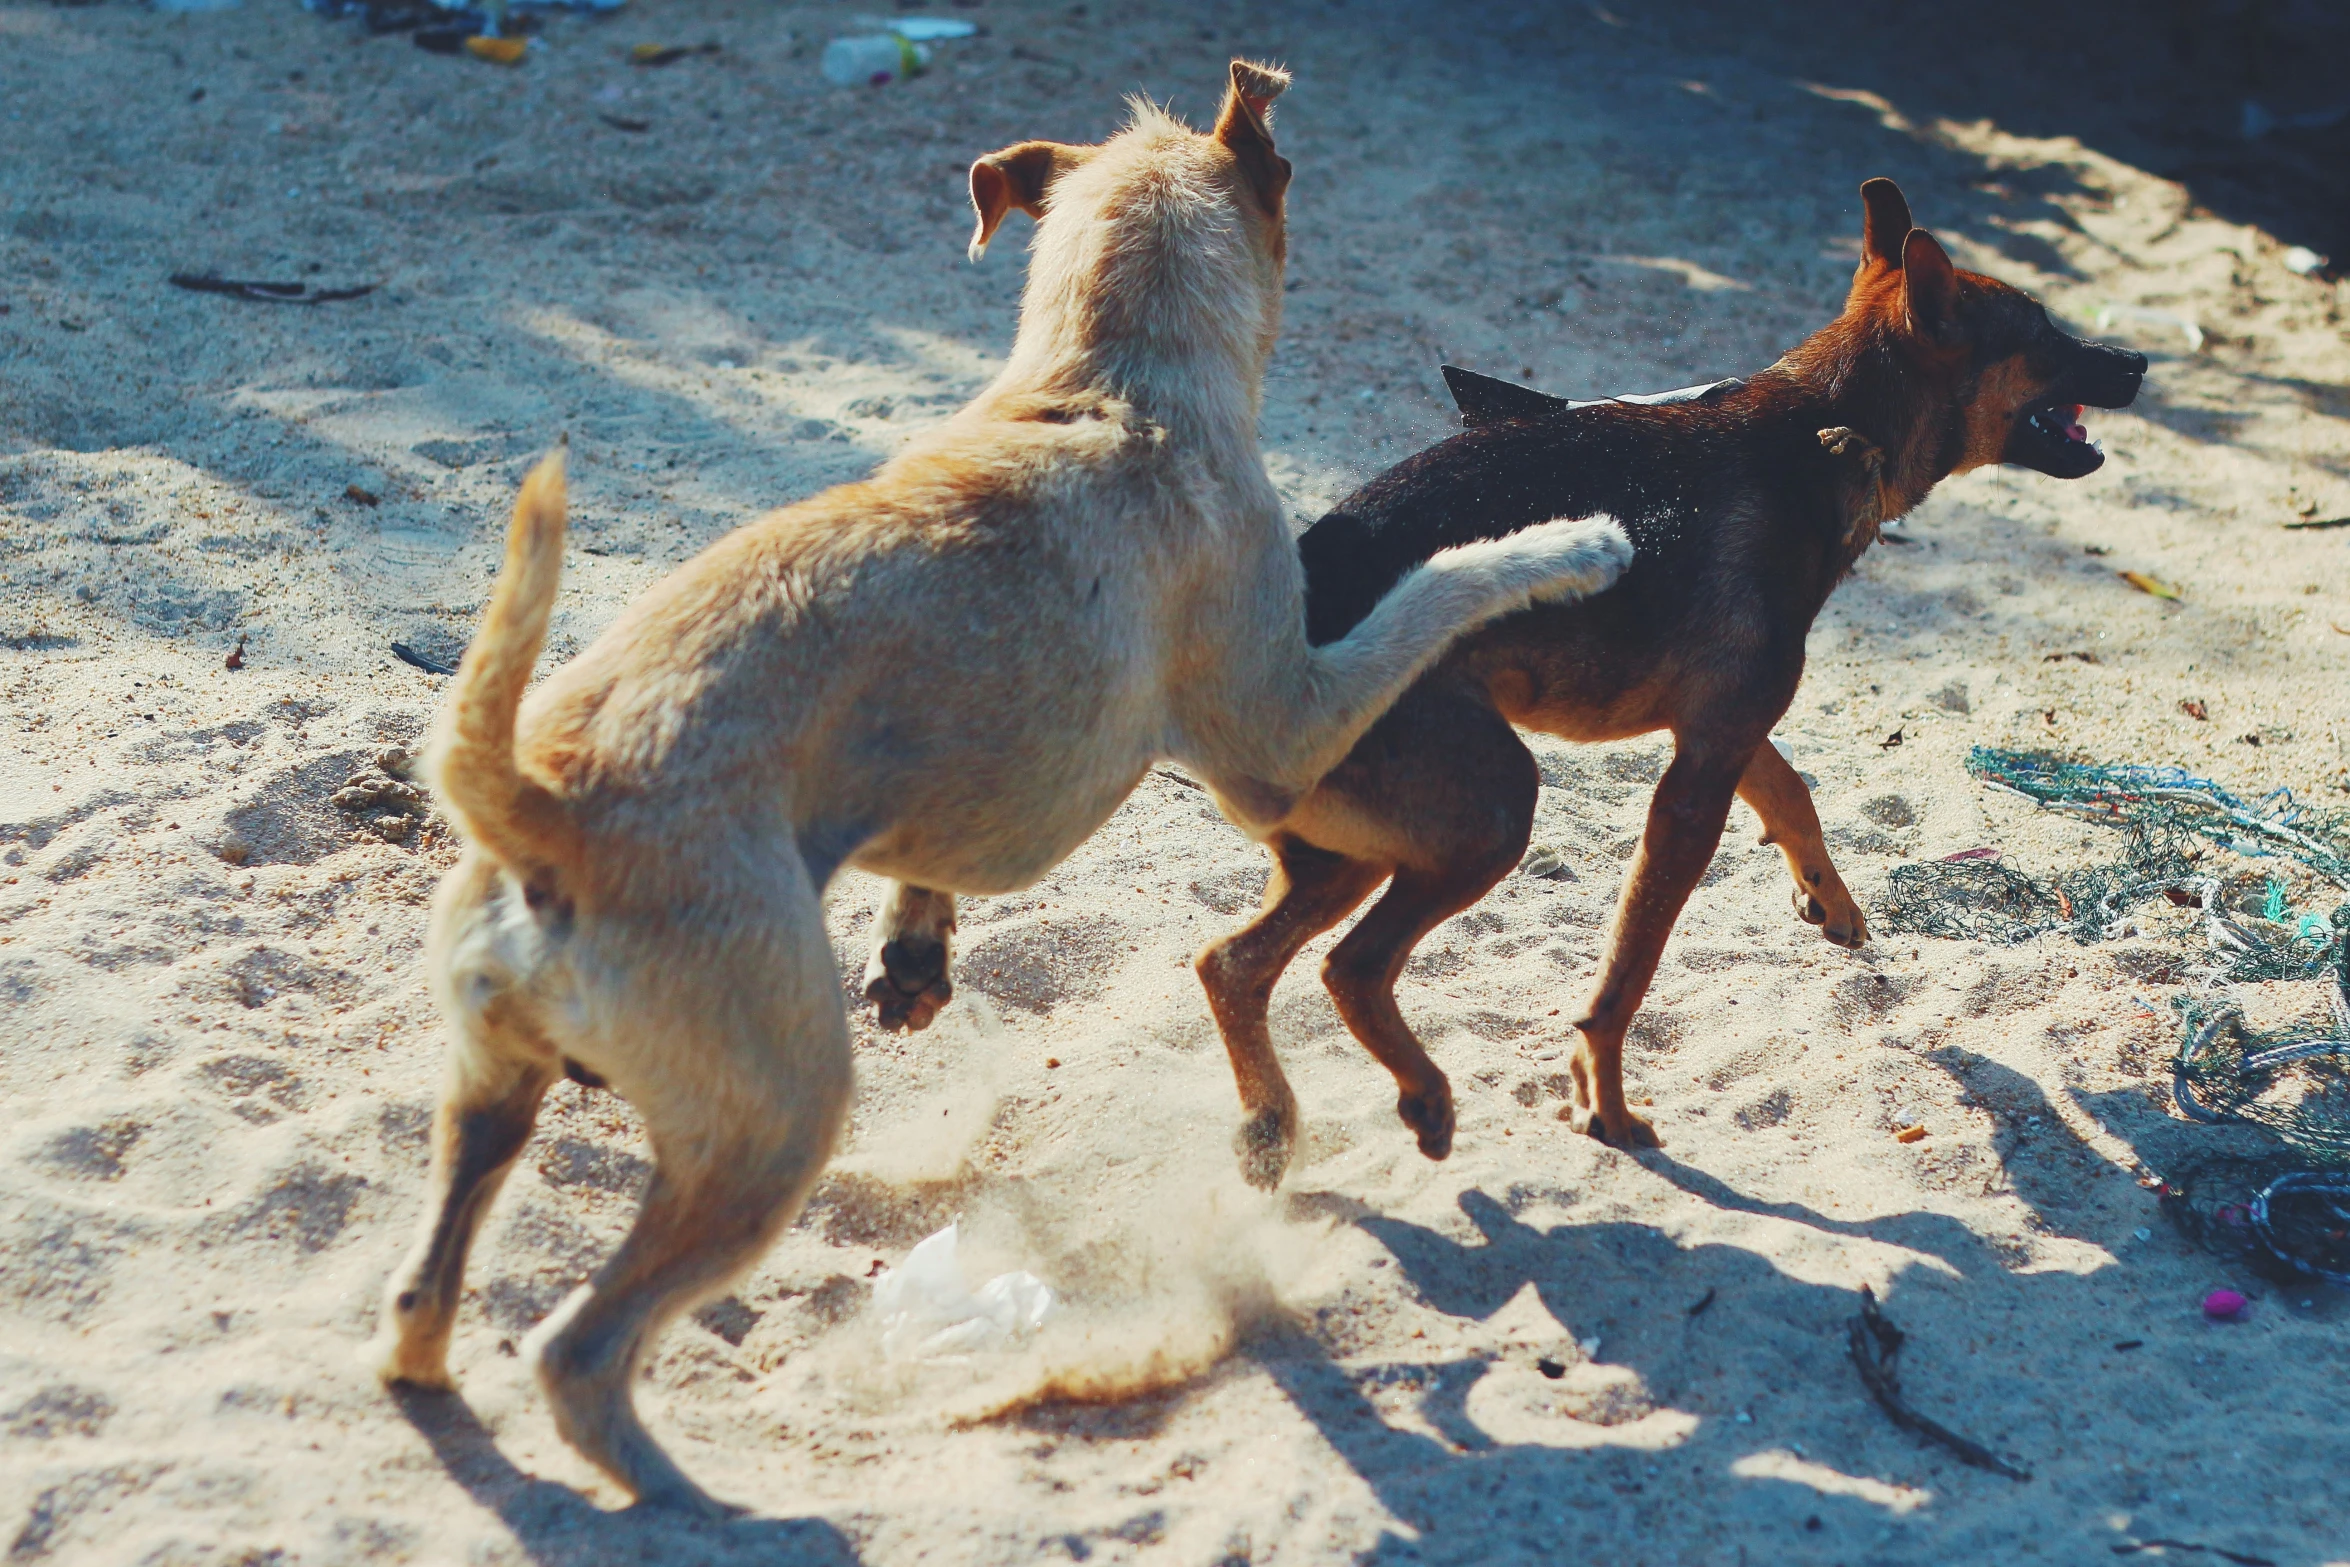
522	823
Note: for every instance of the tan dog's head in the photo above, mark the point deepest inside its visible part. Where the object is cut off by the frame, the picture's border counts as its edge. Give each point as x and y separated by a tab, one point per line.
1155	245
1990	377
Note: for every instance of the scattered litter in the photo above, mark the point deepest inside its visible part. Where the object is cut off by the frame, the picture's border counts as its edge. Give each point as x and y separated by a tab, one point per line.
2258	120
625	122
1542	863
2186	326
1890	741
1888	536
2301	261
236	655
2179	1544
921	29
1703	1301
498	51
654	56
2077	655
364	497
267	293
2225	1306
2319	522
1913	1133
2238	1557
1964	855
926	1314
1876	1344
2193	707
873	60
2154	585
431	666
1550	1368
2128	1344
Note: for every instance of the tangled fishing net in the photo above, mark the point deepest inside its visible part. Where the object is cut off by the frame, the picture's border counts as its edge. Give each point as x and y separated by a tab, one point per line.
2171	823
2185	841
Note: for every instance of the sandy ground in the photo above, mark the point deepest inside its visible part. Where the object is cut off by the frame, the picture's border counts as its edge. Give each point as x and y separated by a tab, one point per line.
218	1060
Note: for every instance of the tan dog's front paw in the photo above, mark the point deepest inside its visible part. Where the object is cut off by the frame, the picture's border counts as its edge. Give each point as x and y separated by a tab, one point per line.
1430	1116
398	1363
907	982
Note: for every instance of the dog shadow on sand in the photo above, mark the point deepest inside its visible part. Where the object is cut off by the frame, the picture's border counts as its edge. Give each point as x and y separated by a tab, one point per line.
557	1527
2012	1359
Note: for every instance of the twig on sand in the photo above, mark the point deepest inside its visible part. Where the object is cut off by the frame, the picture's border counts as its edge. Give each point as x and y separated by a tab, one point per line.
1875	1345
267	293
2237	1557
424	661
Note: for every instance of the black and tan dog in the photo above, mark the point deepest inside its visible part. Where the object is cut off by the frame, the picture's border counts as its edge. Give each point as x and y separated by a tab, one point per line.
1747	502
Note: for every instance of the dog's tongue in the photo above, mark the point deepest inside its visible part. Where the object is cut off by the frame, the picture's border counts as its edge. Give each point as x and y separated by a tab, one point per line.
2073	429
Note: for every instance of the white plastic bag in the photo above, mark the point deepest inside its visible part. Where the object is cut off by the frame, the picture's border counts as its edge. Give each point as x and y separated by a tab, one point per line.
927	1314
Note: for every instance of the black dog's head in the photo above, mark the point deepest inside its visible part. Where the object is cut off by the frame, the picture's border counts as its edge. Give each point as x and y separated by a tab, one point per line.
2017	381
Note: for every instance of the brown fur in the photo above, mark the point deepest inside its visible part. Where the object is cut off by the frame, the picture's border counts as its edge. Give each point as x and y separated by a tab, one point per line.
1747	506
950	673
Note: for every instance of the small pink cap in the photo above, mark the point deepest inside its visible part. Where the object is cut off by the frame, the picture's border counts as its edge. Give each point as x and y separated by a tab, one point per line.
2224	1305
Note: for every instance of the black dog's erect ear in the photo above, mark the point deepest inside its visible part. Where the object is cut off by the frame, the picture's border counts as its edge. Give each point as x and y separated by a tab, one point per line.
1885	224
1929	286
1018	176
1484	400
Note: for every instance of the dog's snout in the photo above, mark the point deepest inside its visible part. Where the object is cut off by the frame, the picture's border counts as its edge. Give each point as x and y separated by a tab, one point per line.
2109	377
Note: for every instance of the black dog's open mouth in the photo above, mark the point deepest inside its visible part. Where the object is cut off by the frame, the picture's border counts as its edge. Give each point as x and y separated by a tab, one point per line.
2050	438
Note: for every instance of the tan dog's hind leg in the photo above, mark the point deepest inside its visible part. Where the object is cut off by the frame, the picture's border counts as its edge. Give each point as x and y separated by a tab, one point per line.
1685	821
743	1102
910	975
1775	792
496	1077
1309	891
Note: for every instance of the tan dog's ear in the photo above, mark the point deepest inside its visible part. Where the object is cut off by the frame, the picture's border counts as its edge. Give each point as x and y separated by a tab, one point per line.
1929	287
1248	105
1020	177
1245	126
1885	225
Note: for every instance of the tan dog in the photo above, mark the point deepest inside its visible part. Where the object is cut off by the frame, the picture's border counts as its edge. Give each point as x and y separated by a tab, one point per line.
949	674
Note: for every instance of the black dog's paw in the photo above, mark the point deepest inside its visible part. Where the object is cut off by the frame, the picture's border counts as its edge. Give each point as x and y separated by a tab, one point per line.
1265	1142
1430	1117
908	982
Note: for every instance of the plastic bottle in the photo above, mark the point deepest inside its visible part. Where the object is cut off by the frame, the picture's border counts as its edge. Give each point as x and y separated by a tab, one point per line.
873	60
